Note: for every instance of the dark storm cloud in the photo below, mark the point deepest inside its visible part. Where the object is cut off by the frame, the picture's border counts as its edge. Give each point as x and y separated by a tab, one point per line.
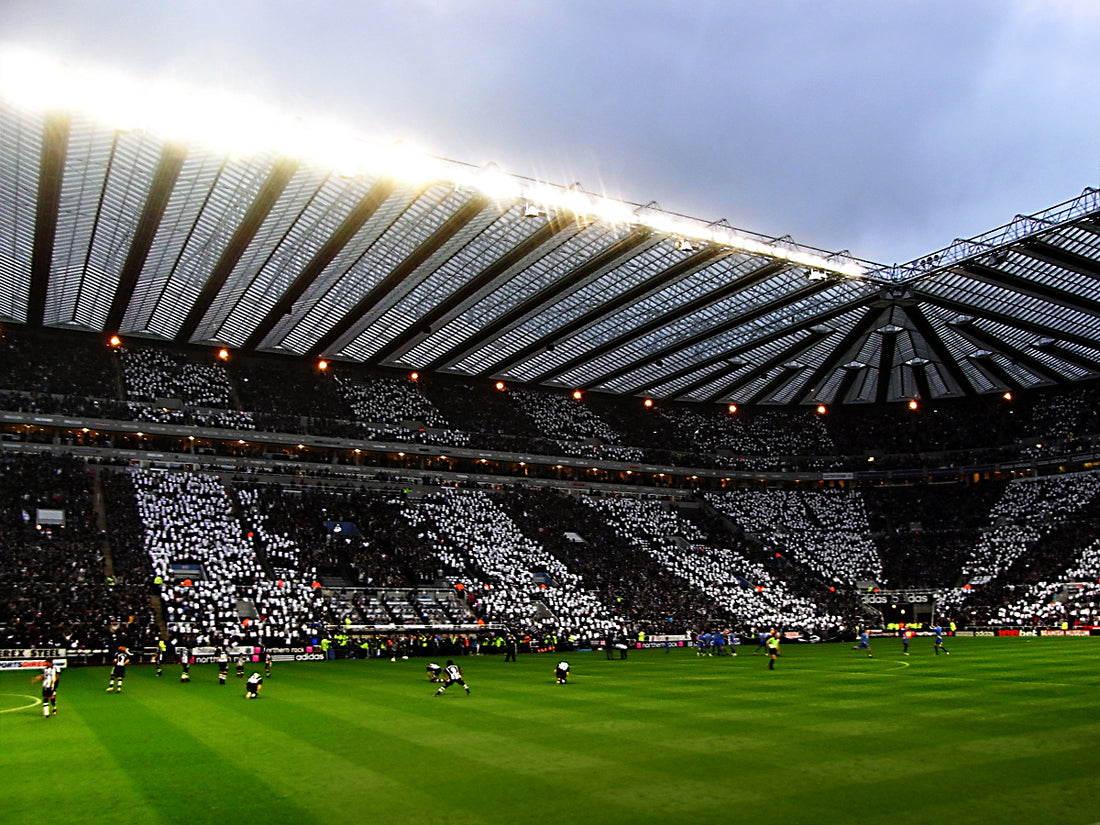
884	128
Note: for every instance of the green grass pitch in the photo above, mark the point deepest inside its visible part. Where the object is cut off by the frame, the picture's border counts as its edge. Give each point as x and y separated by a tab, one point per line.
1002	731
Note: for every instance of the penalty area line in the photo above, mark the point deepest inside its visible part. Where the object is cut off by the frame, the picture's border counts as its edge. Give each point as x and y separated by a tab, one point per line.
34	702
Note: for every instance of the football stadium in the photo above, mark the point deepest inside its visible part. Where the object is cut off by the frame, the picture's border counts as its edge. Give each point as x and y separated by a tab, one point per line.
342	481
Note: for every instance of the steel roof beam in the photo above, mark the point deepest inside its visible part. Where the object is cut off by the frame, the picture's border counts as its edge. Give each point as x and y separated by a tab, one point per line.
751	279
770	387
430	246
243	235
752	315
600	312
734	352
55	145
847	347
944	360
886	349
1062	258
986	340
847	381
1043	330
160	192
997	374
1070	357
1000	278
920	376
785	376
352	223
610	257
529	246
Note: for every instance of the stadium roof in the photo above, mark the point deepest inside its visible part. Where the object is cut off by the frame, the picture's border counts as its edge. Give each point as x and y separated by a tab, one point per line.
479	274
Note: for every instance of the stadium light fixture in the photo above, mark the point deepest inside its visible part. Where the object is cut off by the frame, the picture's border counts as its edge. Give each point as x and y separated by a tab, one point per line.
232	125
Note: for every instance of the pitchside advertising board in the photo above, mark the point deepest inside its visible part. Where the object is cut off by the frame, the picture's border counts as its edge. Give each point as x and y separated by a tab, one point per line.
308	653
900	607
29	664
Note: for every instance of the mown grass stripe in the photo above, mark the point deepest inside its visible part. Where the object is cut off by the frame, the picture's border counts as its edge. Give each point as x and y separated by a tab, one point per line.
826	738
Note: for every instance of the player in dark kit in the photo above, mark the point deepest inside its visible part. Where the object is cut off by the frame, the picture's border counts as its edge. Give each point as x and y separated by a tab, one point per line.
452	674
49	677
253	685
561	673
118	670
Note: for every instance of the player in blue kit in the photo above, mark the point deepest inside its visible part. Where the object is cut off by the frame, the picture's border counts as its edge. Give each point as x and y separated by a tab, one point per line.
938	644
864	643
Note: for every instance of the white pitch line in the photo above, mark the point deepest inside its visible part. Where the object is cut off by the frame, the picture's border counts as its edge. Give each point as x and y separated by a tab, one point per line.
34	702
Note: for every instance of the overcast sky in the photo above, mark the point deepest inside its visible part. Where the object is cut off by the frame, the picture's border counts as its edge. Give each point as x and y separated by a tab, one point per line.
884	127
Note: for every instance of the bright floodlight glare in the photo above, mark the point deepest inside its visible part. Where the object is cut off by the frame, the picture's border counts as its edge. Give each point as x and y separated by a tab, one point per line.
223	123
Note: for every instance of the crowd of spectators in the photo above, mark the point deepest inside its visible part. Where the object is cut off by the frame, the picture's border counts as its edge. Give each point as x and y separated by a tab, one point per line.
652	596
507	576
539	562
389	401
1018	544
213	585
560	417
356	536
746	592
1029	509
155	374
924	532
1035	532
55	586
46	371
825	530
57	364
290	389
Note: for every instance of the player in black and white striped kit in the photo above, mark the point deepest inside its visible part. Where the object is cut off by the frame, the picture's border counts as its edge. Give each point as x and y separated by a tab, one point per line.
452	674
223	665
184	654
49	677
118	670
253	685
